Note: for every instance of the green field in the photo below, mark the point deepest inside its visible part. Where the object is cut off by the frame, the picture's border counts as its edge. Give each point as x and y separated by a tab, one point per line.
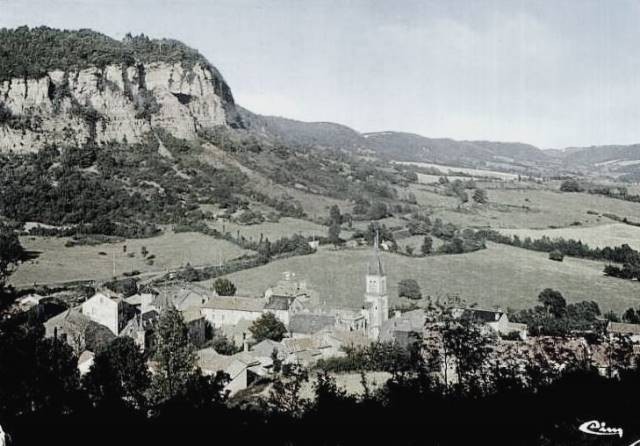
473	172
498	276
613	234
530	208
286	227
57	263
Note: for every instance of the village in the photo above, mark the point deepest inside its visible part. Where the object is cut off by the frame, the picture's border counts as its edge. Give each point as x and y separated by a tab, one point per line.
315	331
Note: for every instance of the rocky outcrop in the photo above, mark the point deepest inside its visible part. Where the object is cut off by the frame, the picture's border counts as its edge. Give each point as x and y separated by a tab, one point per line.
114	103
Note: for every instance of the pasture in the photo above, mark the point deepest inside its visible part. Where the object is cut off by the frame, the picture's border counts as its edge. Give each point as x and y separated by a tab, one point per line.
530	208
477	173
612	234
499	276
286	227
57	263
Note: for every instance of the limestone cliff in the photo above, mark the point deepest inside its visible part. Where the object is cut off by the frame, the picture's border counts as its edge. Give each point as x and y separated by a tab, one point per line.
113	103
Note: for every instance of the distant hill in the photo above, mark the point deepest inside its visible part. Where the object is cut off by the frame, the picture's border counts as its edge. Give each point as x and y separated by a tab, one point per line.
396	145
323	135
412	147
612	160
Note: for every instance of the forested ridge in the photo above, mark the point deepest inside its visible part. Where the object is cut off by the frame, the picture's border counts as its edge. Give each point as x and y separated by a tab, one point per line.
27	53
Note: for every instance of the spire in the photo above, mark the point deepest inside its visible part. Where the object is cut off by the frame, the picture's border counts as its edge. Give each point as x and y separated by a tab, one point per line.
375	265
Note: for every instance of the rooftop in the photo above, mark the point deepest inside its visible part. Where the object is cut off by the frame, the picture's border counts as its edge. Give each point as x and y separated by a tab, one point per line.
310	323
623	328
235	303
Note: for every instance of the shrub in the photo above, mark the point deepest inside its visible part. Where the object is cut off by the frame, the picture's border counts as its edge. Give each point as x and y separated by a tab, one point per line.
556	255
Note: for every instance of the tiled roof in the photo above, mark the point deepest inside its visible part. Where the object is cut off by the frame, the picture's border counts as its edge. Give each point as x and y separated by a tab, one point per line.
278	303
181	297
310	323
295	345
235	303
192	314
622	328
481	315
266	347
410	321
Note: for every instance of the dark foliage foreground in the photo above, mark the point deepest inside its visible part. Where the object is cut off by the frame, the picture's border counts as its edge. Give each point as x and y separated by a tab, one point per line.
412	408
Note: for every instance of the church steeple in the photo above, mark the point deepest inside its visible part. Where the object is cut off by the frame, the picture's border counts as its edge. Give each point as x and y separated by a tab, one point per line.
375	264
375	297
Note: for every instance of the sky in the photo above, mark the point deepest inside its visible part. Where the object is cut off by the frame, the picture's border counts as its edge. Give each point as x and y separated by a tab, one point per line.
554	73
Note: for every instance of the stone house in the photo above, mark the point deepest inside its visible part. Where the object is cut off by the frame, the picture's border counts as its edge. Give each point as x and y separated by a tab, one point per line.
498	321
77	330
624	329
220	311
108	309
238	367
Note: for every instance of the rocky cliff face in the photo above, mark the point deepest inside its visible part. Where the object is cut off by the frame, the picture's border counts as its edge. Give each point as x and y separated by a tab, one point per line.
114	103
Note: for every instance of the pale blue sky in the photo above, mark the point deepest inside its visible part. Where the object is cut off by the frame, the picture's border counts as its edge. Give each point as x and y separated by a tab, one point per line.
552	73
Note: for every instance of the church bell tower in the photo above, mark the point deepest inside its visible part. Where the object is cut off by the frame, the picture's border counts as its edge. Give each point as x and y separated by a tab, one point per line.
376	299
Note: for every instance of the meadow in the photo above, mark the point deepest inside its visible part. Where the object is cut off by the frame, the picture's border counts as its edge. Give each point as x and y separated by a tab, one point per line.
612	234
525	207
453	169
285	227
499	276
57	263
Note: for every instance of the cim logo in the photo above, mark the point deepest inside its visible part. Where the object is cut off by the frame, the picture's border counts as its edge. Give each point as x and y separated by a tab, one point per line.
595	427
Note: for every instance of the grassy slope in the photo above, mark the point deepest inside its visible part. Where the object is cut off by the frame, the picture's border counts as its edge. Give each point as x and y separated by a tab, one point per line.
525	208
614	234
286	227
58	263
501	275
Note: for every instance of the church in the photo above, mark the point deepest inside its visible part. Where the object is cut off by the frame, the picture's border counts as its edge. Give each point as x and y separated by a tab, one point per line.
376	306
368	320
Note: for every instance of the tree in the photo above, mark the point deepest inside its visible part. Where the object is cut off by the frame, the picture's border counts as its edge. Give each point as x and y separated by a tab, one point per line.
175	357
571	185
556	255
334	233
469	346
631	316
224	287
285	393
553	302
119	376
427	245
37	374
409	288
335	217
619	354
480	196
11	252
268	326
